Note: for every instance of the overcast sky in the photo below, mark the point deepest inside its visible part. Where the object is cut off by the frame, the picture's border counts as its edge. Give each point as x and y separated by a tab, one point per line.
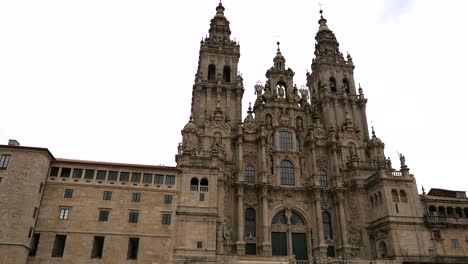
112	80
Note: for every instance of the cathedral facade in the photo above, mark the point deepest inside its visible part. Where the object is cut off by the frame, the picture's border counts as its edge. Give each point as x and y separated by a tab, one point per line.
300	179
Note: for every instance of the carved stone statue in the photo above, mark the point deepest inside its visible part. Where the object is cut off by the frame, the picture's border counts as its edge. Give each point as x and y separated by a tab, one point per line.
402	160
304	94
217	141
280	91
187	142
258	89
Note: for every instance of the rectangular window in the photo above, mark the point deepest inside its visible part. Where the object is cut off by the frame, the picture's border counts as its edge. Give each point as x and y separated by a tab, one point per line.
54	171
89	174
455	243
64	213
158	179
435	234
4	160
112	176
133	217
133	243
77	173
166	219
136	197
98	245
168	199
251	249
286	140
103	215
170	179
431	253
124	176
35	212
34	244
68	193
107	195
59	246
199	244
41	187
136	177
147	178
65	172
202	197
101	175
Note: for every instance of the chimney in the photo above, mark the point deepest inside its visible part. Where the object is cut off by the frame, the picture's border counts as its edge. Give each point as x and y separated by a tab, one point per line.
13	142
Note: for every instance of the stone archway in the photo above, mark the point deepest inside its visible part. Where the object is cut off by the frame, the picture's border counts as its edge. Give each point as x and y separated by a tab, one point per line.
289	235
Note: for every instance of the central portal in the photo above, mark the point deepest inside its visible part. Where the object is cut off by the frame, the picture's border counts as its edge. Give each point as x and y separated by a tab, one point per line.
289	235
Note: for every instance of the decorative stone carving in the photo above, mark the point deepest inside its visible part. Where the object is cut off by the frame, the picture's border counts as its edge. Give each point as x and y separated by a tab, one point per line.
319	133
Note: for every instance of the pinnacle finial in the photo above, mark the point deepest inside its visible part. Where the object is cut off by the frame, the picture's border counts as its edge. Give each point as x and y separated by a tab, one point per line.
373	131
278	43
321	11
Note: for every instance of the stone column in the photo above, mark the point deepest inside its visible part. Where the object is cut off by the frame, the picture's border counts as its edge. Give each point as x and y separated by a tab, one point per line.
240	161
266	245
343	225
321	248
240	244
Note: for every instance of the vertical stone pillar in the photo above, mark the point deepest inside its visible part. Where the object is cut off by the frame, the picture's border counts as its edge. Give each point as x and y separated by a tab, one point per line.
343	225
263	159
266	245
240	244
321	248
240	161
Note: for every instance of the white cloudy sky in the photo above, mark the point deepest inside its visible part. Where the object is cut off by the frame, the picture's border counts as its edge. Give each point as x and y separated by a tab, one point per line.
112	80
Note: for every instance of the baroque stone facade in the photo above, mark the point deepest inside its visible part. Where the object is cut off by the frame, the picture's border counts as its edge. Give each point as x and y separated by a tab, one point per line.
299	180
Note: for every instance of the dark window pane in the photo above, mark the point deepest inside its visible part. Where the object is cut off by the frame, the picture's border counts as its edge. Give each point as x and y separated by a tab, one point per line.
202	196
199	244
89	174
250	174
133	217
327	226
65	172
166	219
147	178
170	179
68	193
136	177
168	199
77	173
323	178
133	243
103	215
4	160
158	179
54	171
98	245
107	195
287	172
124	176
112	176
101	175
286	140
250	249
250	223
59	246
136	197
34	244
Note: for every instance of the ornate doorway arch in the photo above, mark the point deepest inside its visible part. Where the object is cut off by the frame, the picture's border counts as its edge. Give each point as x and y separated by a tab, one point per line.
289	235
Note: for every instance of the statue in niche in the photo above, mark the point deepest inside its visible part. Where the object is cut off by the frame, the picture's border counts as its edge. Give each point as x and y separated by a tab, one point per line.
217	141
227	228
268	120
188	142
280	91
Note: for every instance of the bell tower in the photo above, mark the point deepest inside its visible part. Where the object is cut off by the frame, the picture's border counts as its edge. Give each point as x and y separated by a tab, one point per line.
332	86
217	84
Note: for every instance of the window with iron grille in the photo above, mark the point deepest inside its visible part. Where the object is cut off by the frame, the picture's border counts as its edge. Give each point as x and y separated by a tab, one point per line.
103	215
133	217
124	176
166	219
250	174
168	199
136	177
287	172
112	176
68	193
77	173
286	140
158	179
101	175
323	178
170	179
107	195
89	174
136	197
147	178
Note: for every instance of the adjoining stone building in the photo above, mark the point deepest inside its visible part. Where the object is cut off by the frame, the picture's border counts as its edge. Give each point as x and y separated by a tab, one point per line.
299	180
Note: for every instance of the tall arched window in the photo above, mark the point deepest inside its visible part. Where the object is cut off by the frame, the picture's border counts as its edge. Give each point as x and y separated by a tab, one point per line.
250	174
287	172
333	84
268	120
346	85
323	178
194	184
280	218
296	219
395	198
441	211
458	212
432	210
211	72
285	140
250	225
204	185
403	197
450	212
227	74
327	226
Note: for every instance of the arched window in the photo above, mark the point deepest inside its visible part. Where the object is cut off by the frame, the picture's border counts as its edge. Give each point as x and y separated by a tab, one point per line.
194	184
204	185
280	218
327	226
250	224
380	198
458	212
227	74
211	72
296	219
395	196
250	174
287	172
450	212
346	85
371	201
268	121
323	178
333	84
432	210
382	249
441	211
285	140
403	197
